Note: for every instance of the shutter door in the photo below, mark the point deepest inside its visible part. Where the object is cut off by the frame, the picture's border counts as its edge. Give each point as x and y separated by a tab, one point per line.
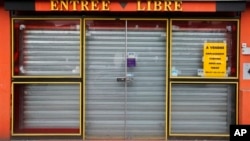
146	94
105	97
111	111
50	51
202	108
51	106
187	47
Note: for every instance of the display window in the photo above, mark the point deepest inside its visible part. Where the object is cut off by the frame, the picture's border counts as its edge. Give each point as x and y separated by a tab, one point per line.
46	48
202	108
46	76
46	108
204	49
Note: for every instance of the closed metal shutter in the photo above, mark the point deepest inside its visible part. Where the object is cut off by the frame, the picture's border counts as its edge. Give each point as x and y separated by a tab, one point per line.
51	106
202	108
49	51
46	48
105	97
125	110
187	47
146	94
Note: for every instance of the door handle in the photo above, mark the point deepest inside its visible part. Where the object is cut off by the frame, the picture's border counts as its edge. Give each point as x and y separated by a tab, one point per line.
124	79
121	79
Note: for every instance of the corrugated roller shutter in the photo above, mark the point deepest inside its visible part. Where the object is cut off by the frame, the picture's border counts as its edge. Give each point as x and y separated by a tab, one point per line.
202	108
105	97
51	106
51	51
187	47
117	110
146	94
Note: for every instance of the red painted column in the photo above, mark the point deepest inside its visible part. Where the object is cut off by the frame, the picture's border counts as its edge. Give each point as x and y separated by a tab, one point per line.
5	74
244	94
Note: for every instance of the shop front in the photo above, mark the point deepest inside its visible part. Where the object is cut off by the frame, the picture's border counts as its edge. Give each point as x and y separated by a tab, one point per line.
124	70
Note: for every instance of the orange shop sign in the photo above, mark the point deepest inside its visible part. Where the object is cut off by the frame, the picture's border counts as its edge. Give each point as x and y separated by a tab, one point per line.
125	5
109	5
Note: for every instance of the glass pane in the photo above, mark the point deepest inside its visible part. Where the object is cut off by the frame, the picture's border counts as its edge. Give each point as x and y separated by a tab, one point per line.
202	108
187	48
47	48
47	108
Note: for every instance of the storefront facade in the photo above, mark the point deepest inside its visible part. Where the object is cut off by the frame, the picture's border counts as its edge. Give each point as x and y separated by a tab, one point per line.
124	70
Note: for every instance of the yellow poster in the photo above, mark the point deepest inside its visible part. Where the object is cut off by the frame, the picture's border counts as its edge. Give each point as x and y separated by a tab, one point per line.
215	59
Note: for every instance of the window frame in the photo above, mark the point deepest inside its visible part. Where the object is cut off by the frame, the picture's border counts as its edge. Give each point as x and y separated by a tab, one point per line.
46	19
201	82
16	112
200	77
40	79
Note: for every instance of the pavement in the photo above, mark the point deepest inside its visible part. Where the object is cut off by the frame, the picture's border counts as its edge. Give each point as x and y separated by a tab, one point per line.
118	140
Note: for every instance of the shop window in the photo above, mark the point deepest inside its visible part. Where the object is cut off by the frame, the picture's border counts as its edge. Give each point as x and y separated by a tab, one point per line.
46	77
204	49
202	108
46	108
46	48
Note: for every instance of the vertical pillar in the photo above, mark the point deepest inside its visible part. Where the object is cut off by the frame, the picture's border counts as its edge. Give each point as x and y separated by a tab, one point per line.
244	87
5	74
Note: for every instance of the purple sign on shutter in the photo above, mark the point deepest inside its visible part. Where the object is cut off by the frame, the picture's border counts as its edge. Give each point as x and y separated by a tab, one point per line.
131	62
